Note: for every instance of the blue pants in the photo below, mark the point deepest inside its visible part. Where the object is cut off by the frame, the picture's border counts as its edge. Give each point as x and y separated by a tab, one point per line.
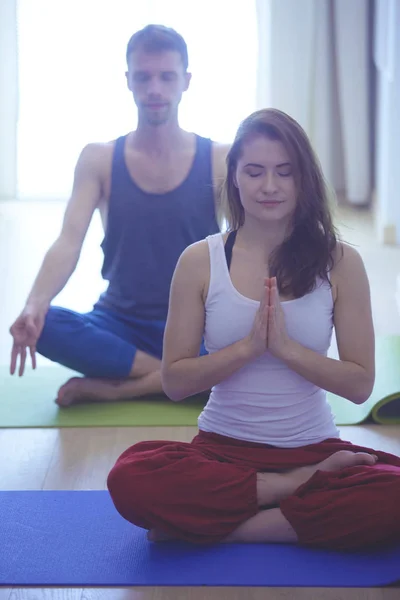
100	343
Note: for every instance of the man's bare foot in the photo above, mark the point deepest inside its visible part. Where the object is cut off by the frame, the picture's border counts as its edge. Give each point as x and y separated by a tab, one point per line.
84	389
155	535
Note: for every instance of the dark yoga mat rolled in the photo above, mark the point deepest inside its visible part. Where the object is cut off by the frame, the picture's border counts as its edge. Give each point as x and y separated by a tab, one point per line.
78	539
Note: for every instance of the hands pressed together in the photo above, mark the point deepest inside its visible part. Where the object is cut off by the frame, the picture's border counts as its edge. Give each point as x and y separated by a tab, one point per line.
269	329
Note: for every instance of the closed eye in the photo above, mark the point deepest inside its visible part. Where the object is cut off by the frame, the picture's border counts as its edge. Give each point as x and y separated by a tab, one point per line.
254	170
141	76
169	76
284	169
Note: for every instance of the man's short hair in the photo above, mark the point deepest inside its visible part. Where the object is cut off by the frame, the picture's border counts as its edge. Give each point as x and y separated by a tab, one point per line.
158	38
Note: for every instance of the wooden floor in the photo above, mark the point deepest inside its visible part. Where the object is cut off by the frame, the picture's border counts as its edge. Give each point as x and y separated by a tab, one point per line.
200	594
80	459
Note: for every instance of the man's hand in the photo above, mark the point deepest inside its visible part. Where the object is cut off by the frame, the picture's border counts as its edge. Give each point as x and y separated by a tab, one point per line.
26	331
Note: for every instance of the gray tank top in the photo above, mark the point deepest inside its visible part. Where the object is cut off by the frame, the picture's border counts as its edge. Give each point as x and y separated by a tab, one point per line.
146	234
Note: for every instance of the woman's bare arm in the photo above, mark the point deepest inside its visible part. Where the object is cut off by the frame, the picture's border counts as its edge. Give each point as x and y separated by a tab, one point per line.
352	376
184	372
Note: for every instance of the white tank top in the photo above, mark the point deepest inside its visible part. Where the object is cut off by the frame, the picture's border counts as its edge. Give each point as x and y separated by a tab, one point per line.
265	401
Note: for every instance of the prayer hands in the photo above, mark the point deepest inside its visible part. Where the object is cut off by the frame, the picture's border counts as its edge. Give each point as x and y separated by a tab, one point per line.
269	329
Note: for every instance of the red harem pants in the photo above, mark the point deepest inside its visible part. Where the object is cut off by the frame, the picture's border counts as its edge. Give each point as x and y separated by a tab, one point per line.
202	491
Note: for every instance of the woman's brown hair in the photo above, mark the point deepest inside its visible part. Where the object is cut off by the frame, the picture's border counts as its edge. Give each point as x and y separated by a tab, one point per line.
307	252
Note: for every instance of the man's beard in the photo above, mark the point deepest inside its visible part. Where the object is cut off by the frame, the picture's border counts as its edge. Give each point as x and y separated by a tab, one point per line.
157	118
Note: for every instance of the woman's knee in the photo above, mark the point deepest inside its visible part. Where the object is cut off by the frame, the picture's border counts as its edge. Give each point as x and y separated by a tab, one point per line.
348	513
384	502
135	485
130	495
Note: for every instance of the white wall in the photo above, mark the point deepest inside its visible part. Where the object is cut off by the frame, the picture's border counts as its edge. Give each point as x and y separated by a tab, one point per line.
8	99
313	64
387	59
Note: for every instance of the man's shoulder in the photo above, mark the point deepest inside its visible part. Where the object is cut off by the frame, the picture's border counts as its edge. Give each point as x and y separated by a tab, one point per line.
220	149
219	154
97	156
98	149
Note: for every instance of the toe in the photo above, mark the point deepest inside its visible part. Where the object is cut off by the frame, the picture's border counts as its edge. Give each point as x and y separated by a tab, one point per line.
369	459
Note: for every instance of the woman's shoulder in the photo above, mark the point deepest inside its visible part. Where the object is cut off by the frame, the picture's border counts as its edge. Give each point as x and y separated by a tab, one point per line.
346	257
195	252
195	261
347	265
199	252
193	268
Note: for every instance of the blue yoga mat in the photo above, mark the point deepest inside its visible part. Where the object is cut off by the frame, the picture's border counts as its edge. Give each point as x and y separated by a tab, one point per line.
78	539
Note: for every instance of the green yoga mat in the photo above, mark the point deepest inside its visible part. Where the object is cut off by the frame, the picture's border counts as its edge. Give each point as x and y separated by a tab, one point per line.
383	406
29	401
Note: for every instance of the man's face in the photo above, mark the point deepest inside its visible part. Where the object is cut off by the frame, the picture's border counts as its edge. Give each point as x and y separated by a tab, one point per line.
157	81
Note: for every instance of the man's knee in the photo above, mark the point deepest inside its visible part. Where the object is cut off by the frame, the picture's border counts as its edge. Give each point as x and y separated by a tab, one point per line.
59	325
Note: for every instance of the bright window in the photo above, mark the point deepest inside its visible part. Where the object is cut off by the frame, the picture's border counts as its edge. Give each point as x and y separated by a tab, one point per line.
72	88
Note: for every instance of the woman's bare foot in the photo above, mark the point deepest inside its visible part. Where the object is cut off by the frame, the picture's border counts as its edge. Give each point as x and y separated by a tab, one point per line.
336	462
84	389
346	458
272	488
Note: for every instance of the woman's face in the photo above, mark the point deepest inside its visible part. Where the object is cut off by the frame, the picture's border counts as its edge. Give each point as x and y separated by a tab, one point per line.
265	180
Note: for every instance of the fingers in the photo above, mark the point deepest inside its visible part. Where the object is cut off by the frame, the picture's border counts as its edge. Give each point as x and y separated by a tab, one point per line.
22	361
267	296
14	356
271	295
32	352
271	308
263	310
274	296
270	281
266	311
270	312
18	351
262	302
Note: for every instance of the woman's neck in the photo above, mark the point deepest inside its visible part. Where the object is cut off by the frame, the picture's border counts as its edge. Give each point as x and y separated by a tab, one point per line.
261	238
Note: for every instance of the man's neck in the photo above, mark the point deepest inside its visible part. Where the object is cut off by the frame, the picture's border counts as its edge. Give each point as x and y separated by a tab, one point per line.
158	139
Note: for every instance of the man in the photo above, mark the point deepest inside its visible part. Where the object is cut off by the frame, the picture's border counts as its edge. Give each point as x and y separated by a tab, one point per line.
156	189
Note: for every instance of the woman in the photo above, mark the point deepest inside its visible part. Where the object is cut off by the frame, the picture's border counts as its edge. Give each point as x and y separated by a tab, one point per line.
268	464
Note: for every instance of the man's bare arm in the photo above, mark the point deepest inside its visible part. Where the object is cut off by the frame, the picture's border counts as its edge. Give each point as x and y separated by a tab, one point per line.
61	259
